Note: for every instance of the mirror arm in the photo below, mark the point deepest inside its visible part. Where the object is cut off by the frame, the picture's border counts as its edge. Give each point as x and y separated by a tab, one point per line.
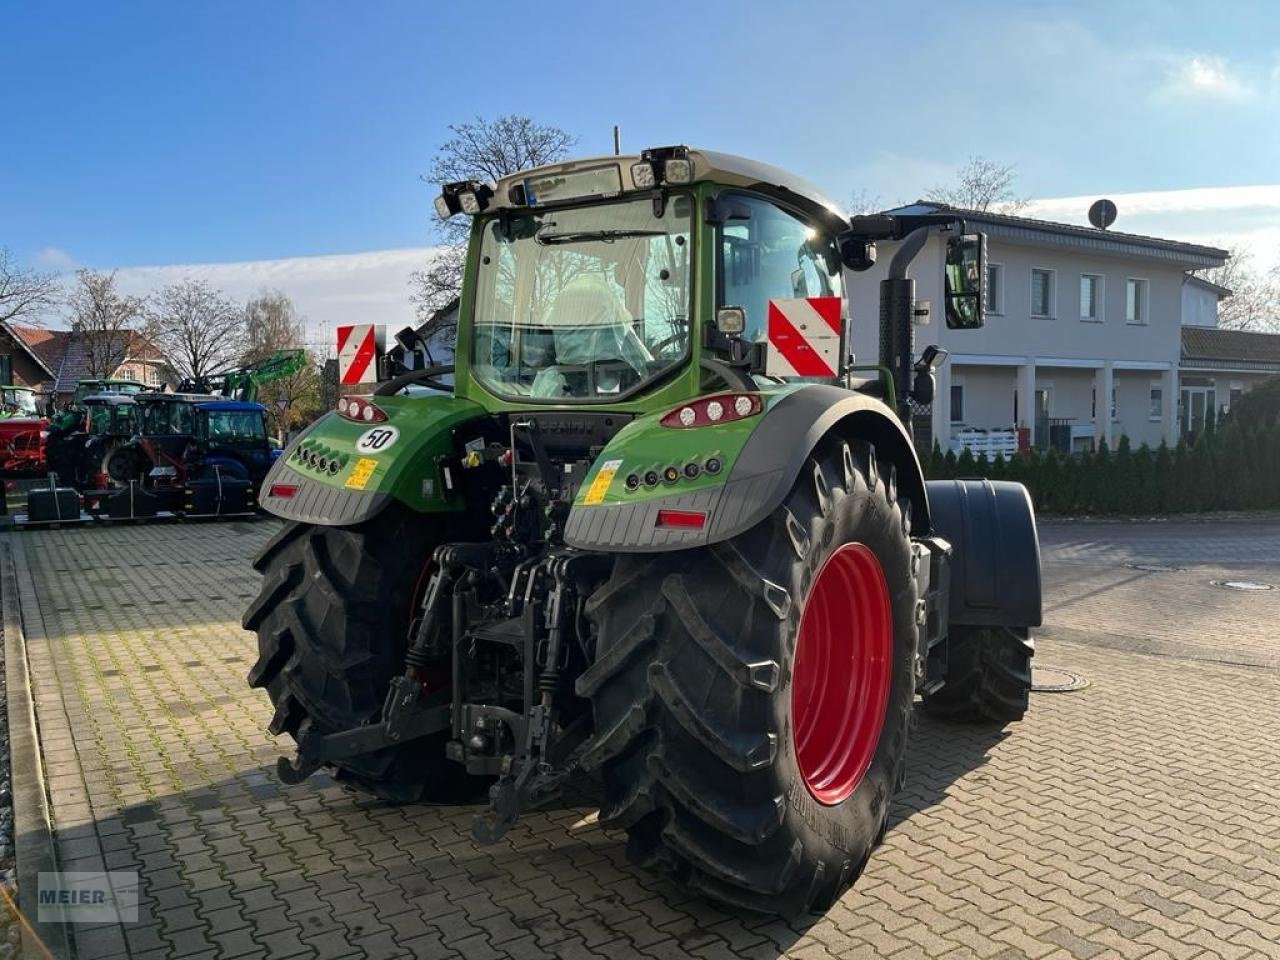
906	252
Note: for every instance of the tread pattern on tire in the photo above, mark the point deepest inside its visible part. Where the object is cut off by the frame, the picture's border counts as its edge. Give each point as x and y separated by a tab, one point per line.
331	635
988	675
685	686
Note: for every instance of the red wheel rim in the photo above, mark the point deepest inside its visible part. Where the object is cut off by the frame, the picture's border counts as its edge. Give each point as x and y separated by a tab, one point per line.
843	665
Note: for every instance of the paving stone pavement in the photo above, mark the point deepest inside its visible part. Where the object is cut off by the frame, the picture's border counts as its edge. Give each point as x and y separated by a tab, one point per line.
1137	818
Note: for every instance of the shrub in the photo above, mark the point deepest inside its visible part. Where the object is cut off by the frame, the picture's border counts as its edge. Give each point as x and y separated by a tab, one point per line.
1234	465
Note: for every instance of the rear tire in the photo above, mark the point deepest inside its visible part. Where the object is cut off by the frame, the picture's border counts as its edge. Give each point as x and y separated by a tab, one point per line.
988	676
692	694
332	620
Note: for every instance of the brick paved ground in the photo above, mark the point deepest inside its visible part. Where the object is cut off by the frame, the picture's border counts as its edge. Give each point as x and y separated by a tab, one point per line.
1137	818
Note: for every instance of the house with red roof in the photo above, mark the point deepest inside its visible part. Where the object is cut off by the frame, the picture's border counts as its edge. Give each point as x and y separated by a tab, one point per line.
54	361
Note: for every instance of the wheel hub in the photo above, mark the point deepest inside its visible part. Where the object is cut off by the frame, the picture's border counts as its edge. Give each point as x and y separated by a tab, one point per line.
842	673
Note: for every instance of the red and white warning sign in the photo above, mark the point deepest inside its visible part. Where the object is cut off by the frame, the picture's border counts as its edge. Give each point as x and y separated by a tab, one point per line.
359	347
804	337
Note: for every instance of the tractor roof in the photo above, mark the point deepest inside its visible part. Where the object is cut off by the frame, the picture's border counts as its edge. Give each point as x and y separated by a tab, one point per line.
112	383
232	406
159	397
111	399
708	165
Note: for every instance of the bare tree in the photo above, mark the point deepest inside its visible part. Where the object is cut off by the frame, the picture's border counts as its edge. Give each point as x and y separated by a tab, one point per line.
863	201
981	184
24	293
1254	303
198	330
478	150
272	324
104	318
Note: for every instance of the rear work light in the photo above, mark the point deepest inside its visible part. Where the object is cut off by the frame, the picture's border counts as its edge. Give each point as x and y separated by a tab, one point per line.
711	410
681	519
361	410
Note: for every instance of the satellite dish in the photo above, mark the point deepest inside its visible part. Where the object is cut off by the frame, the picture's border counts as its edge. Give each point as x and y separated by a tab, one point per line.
1102	214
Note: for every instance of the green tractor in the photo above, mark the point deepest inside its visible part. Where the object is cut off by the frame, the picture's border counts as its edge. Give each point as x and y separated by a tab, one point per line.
659	528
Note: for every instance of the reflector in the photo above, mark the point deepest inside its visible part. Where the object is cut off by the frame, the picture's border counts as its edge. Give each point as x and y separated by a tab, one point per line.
681	519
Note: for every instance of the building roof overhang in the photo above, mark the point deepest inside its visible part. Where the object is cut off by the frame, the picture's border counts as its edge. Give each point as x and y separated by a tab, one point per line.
1085	240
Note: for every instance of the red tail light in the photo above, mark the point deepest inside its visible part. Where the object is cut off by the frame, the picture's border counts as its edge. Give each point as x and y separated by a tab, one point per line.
712	410
361	410
285	491
681	519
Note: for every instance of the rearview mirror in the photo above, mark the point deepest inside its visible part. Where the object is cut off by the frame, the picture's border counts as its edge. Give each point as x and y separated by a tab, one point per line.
965	278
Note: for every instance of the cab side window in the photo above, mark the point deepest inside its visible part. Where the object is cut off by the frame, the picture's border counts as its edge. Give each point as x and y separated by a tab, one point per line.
772	255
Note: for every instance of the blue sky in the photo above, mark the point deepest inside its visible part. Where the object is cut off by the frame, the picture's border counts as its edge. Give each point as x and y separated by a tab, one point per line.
176	134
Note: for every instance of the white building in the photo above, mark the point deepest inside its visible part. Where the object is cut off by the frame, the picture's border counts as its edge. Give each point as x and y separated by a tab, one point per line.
1090	335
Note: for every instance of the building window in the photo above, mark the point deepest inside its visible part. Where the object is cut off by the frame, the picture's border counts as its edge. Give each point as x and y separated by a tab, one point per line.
957	403
1090	296
995	289
1236	392
1041	292
1135	301
1155	407
6	368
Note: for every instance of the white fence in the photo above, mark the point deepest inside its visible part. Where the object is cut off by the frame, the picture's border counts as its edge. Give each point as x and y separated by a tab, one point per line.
990	442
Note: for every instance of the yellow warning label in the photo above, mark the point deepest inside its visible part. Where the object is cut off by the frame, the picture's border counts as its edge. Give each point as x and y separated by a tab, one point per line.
361	473
600	485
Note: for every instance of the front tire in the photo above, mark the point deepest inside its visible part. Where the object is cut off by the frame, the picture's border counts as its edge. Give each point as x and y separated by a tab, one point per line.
332	620
734	765
988	678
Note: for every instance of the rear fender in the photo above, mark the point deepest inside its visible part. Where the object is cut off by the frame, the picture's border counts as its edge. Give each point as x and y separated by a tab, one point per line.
995	551
760	459
401	464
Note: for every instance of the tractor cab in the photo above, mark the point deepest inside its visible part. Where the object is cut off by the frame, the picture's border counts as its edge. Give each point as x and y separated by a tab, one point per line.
110	415
110	421
66	429
156	456
23	432
18	402
234	434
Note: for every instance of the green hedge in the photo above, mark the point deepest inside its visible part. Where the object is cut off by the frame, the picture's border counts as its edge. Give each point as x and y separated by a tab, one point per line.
1233	467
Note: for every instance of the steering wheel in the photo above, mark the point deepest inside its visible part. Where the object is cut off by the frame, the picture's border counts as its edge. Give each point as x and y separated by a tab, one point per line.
661	345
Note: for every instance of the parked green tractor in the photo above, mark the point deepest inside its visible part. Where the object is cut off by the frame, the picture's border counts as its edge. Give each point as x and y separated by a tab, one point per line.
659	527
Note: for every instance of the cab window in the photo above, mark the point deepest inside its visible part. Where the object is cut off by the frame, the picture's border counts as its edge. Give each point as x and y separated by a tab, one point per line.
772	255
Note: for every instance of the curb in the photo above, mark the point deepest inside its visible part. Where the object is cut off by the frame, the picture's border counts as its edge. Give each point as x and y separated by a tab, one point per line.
32	827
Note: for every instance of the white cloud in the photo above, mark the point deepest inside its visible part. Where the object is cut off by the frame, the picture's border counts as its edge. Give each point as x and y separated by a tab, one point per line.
1246	217
1206	77
55	259
370	287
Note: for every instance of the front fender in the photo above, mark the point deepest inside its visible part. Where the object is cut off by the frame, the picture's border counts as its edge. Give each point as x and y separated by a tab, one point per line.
760	459
995	551
406	470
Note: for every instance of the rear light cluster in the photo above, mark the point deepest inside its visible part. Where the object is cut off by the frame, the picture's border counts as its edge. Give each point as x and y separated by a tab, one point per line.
713	410
361	410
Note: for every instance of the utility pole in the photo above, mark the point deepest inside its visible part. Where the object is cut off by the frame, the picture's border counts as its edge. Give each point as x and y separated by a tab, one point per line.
617	141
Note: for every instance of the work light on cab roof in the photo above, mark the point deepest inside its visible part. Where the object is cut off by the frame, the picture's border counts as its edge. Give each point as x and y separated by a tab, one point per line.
658	166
